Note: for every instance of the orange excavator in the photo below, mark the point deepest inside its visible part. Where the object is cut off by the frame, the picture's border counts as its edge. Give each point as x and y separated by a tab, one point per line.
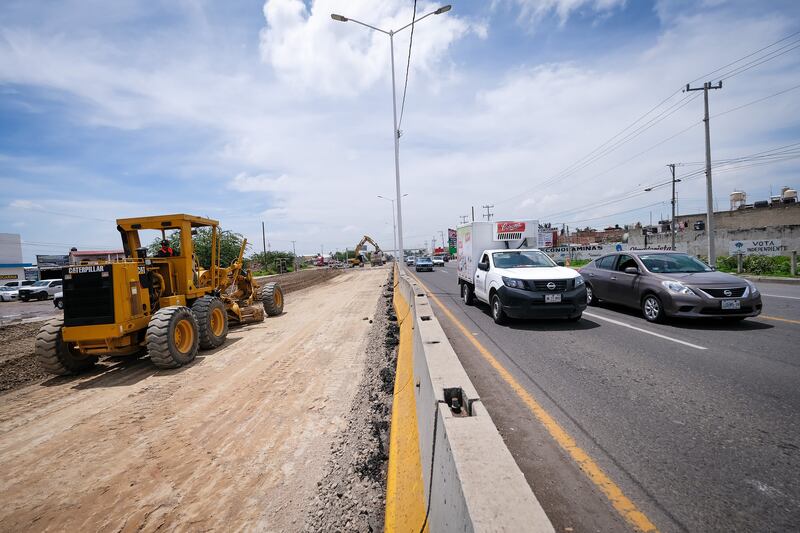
360	259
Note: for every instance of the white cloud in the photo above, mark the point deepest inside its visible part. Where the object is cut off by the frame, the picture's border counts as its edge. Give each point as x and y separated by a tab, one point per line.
536	10
311	51
244	183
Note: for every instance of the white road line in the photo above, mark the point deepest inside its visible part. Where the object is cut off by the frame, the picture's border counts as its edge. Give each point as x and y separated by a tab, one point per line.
617	322
778	296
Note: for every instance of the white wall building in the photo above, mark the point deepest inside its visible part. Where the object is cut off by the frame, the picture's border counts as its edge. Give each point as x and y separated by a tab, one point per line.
11	266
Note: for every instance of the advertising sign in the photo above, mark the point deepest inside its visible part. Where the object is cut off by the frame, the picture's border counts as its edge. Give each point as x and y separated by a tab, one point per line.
452	239
760	247
52	261
545	239
593	251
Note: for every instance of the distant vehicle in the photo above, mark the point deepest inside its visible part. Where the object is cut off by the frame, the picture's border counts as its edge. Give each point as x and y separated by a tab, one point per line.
41	290
9	294
515	281
410	260
58	300
423	263
438	260
18	284
669	284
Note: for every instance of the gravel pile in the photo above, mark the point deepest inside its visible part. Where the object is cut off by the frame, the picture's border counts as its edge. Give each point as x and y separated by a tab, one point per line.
351	494
18	364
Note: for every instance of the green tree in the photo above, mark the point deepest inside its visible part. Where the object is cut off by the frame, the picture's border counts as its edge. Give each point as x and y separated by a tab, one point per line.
229	243
272	262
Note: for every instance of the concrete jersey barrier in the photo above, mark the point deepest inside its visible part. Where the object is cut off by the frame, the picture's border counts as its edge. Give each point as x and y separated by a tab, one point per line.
449	469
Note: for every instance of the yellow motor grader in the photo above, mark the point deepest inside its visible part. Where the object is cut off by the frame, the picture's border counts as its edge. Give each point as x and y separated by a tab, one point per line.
168	305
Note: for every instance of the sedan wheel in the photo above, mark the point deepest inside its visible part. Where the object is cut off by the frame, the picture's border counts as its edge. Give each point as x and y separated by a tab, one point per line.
652	309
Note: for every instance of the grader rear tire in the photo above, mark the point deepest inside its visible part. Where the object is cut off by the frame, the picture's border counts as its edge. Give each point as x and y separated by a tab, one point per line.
172	337
55	356
272	297
212	321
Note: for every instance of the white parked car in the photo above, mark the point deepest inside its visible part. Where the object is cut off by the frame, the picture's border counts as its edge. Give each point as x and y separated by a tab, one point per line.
438	260
58	300
18	284
41	290
9	294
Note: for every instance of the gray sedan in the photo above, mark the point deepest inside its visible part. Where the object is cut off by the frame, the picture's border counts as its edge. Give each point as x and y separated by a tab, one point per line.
665	284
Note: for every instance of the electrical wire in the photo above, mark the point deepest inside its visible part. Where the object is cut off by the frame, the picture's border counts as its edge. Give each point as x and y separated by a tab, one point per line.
408	65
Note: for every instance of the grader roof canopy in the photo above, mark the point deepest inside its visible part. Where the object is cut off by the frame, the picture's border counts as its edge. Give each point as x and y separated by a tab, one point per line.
164	222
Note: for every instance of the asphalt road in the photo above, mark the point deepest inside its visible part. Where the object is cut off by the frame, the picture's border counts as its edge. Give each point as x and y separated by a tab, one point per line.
698	423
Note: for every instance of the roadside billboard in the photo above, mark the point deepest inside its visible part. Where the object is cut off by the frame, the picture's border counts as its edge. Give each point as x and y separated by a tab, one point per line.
52	261
452	240
760	247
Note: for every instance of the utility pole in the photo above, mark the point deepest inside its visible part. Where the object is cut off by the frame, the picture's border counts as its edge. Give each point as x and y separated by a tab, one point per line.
294	258
463	218
488	215
712	254
473	213
672	222
264	241
444	249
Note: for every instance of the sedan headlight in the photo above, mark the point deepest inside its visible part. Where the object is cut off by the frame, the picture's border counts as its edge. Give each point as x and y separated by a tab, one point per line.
514	283
677	287
753	288
579	282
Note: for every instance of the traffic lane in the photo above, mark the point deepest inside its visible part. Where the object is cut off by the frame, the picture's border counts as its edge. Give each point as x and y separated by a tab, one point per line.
662	417
780	300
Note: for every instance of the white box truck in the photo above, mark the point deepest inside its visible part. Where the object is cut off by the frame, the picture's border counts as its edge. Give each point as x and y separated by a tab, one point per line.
496	266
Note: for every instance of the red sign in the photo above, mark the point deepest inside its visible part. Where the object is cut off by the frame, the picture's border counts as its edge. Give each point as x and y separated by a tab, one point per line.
510	227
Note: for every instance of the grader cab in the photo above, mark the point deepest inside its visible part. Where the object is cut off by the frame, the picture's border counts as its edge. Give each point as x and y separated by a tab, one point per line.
169	305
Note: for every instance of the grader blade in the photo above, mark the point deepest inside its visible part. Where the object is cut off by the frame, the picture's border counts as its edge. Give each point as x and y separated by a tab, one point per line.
252	313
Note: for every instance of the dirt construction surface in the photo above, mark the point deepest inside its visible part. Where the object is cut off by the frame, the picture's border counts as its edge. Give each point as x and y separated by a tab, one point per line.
236	441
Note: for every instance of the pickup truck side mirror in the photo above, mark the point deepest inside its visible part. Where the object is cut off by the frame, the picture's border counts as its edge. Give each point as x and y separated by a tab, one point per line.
631	270
483	266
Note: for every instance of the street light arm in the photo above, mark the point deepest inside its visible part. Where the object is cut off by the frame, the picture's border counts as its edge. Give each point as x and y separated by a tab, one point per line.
340	18
415	21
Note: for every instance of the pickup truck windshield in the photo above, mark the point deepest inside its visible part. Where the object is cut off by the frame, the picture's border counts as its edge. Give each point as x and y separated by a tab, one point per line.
673	263
521	259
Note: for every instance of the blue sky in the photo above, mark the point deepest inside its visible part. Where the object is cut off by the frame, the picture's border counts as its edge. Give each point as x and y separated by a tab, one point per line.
251	111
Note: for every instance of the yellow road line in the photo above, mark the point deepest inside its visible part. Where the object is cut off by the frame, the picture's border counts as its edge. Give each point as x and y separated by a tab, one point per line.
405	494
623	505
789	320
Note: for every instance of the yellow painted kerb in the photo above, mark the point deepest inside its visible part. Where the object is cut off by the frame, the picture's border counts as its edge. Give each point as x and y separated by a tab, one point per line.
623	505
405	495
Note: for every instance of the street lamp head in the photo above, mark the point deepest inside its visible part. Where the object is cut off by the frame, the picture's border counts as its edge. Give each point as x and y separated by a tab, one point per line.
648	189
443	9
339	18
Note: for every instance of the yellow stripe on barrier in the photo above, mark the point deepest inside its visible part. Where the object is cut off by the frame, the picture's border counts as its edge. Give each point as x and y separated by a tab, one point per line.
405	495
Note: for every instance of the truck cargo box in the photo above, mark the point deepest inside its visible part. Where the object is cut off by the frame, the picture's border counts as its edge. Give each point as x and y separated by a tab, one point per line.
475	237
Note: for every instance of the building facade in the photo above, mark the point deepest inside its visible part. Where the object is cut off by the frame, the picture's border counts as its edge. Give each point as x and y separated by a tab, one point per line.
11	266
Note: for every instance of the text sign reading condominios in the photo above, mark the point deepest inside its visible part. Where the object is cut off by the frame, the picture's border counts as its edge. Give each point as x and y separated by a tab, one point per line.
762	247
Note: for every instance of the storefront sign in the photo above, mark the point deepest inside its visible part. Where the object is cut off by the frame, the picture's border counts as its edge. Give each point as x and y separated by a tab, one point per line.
760	247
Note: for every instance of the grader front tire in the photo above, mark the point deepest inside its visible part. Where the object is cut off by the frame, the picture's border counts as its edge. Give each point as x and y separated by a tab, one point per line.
55	356
212	321
172	337
272	297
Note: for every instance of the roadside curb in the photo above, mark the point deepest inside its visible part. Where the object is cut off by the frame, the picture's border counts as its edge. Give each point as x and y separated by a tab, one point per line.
788	281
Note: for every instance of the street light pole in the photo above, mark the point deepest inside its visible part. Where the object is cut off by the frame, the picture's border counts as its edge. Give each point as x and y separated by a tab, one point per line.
395	130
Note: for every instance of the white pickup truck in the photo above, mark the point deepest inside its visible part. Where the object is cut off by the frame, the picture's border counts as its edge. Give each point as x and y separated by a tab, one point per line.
41	290
496	266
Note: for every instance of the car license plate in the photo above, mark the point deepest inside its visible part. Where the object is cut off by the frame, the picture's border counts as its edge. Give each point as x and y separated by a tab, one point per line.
552	298
731	304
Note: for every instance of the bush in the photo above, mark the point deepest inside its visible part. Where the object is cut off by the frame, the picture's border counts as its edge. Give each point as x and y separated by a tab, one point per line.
726	263
763	265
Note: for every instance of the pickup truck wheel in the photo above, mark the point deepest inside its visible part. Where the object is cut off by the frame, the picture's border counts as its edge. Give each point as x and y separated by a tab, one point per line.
43	296
466	294
498	314
590	298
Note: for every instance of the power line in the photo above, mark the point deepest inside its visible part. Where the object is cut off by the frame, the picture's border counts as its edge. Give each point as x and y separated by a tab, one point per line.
408	65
